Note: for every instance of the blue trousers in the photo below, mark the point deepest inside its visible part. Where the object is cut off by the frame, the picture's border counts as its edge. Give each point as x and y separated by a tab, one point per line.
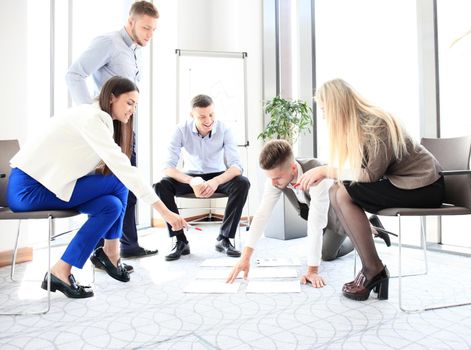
129	240
103	198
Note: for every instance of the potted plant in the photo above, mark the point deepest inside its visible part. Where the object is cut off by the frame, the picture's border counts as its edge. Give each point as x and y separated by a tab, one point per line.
287	119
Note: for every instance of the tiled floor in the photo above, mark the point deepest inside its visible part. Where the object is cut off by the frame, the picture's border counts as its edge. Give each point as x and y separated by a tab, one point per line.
152	312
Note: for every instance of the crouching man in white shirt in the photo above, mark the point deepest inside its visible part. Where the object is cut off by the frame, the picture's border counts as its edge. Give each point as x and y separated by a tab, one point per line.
326	237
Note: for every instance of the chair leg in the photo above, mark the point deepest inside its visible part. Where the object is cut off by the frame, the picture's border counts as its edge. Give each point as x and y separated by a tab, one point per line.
423	241
41	312
423	245
400	265
51	235
400	276
15	252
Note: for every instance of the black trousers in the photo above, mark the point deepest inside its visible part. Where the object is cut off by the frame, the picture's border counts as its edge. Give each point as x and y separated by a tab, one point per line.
129	238
237	190
335	242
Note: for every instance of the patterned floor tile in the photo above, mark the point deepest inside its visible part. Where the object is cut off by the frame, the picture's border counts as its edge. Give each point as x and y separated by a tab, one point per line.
152	312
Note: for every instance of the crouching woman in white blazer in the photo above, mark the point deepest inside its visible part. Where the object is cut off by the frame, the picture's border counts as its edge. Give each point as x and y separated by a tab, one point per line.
57	171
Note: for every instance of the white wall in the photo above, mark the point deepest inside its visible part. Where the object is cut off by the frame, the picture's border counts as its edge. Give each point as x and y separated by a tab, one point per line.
208	25
219	25
12	70
13	92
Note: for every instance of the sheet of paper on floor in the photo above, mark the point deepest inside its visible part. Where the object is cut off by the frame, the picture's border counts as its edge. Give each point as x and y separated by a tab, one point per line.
211	287
278	262
262	272
273	287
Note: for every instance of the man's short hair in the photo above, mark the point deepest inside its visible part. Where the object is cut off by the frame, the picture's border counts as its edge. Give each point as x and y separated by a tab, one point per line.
201	101
275	153
143	8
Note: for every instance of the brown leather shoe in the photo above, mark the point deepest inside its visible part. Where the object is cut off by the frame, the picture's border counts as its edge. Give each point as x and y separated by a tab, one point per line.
360	288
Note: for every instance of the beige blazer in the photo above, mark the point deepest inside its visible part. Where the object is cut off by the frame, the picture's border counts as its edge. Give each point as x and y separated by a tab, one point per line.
418	168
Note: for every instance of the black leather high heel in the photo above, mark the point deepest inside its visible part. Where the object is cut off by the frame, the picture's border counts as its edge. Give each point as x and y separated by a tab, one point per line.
380	231
73	291
361	287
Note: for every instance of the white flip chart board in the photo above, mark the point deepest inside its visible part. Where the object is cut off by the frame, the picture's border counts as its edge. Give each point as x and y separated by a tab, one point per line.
220	75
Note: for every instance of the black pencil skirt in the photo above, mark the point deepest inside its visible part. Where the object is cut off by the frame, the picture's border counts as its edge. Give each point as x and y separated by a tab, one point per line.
382	194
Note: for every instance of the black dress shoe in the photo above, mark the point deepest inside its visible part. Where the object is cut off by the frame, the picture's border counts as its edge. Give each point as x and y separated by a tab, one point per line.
128	268
225	246
137	253
72	291
181	248
100	259
360	288
380	231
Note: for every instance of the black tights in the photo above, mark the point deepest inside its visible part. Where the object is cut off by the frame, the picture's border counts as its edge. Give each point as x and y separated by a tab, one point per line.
357	226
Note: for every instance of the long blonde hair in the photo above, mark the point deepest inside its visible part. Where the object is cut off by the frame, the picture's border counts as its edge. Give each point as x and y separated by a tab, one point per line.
354	125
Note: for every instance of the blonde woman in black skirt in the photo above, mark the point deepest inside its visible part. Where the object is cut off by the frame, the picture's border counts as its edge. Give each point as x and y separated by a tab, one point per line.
377	165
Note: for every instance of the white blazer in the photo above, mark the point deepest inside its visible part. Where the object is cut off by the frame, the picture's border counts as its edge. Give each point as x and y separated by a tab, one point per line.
71	146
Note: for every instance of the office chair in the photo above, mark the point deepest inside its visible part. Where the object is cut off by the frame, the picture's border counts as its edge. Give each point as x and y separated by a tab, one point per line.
8	148
454	156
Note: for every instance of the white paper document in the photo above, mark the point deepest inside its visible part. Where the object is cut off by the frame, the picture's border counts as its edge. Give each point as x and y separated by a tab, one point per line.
274	287
218	262
278	262
263	272
211	287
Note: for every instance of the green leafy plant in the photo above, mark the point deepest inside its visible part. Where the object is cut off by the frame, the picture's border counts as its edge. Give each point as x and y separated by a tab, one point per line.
287	119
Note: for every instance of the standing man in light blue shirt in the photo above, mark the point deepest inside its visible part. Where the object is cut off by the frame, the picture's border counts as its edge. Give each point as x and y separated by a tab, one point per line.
211	164
109	55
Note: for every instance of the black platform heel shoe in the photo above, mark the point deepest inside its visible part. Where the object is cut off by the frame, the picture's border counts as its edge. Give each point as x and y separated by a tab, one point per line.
100	259
361	287
380	231
72	291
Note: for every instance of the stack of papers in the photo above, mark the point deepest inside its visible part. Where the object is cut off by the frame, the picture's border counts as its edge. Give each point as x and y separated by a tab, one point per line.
278	262
275	272
211	279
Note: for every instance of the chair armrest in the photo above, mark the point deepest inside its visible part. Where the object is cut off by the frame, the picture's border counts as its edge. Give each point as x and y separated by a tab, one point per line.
455	172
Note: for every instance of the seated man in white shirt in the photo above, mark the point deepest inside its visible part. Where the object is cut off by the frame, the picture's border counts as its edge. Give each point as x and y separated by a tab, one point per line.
326	236
211	164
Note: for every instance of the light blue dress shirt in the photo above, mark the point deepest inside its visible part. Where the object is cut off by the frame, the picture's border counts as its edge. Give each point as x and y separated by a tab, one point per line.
108	55
215	152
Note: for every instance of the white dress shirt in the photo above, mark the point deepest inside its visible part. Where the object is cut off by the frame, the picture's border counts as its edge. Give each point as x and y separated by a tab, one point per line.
71	146
316	222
